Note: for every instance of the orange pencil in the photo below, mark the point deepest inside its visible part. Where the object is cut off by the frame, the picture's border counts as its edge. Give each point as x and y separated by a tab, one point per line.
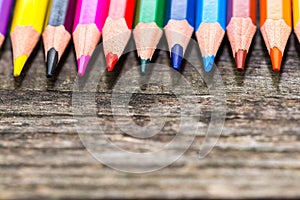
276	27
241	27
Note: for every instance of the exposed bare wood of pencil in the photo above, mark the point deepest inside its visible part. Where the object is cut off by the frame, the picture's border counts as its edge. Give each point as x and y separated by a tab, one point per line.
153	33
116	35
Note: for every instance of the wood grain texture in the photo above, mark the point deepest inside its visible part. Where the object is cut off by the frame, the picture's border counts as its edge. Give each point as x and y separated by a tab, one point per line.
258	154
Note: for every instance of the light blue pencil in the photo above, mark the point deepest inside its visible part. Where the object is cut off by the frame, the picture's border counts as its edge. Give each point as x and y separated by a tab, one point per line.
210	28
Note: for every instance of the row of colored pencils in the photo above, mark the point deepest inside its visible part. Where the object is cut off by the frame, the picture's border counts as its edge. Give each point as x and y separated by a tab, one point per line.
86	20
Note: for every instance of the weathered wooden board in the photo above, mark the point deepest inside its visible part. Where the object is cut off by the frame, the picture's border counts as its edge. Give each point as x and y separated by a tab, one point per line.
258	154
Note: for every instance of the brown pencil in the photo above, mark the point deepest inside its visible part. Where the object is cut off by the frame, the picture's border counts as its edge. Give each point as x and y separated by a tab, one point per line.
241	20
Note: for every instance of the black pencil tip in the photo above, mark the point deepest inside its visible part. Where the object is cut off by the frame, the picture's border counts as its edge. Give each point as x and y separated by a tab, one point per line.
52	61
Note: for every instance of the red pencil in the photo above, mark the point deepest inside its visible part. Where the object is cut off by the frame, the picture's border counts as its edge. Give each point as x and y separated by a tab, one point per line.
117	30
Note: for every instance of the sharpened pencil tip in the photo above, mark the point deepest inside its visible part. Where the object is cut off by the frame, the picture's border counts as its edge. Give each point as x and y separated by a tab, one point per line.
208	63
176	56
111	61
240	58
144	66
276	58
52	61
19	65
83	61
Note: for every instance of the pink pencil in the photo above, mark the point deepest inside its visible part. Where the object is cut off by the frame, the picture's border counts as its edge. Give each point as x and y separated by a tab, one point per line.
89	20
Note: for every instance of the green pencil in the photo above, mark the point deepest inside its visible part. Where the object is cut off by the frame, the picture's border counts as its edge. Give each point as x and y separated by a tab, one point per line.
149	21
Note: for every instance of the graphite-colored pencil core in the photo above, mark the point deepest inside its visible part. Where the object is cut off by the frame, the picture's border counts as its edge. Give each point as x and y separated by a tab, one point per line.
52	60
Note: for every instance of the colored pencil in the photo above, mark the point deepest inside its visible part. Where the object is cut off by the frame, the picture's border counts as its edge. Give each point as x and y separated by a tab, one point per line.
179	28
57	33
276	27
210	28
296	12
117	30
149	21
5	10
27	27
89	20
241	28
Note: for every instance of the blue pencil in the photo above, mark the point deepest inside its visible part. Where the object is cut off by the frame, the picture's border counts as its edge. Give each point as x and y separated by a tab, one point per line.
179	27
210	28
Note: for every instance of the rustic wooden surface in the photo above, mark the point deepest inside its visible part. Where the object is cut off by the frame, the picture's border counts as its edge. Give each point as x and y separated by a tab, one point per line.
258	154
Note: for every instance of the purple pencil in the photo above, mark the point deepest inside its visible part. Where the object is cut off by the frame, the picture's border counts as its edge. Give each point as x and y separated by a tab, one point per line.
89	20
57	33
5	9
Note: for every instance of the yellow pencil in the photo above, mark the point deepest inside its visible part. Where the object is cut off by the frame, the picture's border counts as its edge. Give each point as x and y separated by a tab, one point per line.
26	29
296	9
